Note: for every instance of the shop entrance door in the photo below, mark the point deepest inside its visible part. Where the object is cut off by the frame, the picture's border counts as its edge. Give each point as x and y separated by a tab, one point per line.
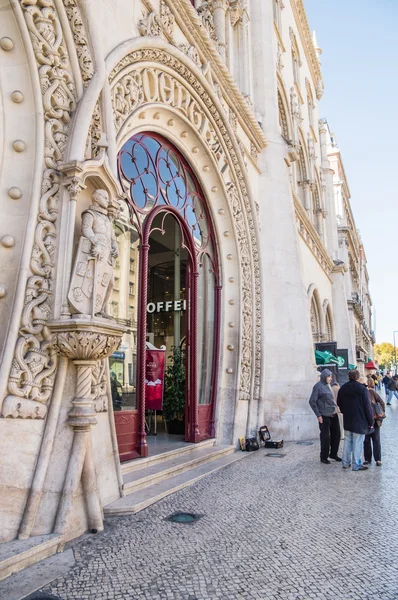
168	313
178	297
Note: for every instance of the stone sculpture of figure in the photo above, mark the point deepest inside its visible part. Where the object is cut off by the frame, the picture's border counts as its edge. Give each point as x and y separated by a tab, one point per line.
92	277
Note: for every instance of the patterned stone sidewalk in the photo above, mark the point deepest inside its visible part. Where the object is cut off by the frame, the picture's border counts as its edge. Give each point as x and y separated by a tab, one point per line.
272	529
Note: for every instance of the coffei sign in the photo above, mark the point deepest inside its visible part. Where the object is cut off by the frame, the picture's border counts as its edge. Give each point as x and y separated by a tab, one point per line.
168	306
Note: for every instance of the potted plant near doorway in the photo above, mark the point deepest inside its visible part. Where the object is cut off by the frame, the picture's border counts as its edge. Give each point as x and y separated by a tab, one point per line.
174	392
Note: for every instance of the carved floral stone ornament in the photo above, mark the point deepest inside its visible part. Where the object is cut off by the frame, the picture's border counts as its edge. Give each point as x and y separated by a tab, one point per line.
150	25
34	364
207	18
167	19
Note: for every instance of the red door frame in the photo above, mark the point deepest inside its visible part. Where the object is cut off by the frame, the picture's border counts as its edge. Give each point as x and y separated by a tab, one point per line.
207	411
142	446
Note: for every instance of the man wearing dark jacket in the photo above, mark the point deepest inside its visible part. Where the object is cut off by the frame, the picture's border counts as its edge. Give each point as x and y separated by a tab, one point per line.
385	381
392	389
354	402
324	406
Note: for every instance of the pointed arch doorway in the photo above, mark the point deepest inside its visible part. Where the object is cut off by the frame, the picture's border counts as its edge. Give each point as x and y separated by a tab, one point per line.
173	291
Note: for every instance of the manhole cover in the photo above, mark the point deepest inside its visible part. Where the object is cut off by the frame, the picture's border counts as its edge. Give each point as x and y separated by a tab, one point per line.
275	454
183	517
305	443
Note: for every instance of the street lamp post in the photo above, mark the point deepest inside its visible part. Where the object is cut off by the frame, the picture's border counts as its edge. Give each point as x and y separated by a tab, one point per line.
395	352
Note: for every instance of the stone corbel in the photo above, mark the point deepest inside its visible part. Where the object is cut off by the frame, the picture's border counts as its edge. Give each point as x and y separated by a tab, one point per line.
235	12
292	153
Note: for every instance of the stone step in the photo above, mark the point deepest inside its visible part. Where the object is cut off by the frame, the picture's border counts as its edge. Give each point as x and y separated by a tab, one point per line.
142	463
155	473
19	554
143	498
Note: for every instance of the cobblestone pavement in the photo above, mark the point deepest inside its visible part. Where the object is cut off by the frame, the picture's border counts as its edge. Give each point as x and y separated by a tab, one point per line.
272	529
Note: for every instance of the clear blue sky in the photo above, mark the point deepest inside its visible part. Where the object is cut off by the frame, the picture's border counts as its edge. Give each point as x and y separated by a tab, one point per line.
360	71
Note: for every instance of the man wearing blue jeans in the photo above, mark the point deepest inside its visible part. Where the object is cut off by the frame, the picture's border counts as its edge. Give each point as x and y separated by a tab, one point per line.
392	388
354	402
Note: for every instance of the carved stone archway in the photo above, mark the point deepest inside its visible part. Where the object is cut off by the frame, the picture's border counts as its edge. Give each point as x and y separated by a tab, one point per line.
151	87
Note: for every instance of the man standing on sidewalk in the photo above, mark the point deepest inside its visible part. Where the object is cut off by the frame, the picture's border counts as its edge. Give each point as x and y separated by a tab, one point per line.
354	402
324	406
392	389
385	381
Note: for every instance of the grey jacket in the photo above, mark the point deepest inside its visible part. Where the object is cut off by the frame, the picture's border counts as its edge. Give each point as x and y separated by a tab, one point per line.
322	399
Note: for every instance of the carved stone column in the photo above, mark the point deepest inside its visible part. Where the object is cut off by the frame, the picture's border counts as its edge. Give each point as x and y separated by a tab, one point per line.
307	196
219	8
85	341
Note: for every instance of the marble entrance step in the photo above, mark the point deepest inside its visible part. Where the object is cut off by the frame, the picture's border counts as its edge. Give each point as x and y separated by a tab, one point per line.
19	554
142	463
144	497
179	463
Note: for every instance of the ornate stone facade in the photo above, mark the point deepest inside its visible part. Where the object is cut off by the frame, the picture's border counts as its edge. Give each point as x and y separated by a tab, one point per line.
184	74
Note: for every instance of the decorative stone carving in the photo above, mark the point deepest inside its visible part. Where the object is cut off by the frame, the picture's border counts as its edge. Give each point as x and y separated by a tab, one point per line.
91	343
247	309
95	133
167	19
279	59
150	25
99	386
31	379
283	117
207	18
233	120
33	367
215	135
191	52
80	39
235	12
92	276
254	153
127	96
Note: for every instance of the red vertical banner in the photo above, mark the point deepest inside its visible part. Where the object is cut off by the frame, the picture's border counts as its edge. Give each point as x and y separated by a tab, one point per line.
154	379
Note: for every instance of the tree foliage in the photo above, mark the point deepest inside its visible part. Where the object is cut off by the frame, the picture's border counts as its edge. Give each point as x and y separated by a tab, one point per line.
385	355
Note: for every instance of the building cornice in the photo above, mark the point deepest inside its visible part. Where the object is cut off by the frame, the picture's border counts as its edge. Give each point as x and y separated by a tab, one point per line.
311	237
190	23
308	45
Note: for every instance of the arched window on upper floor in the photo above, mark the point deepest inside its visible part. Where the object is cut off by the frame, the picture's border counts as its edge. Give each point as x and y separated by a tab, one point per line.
328	325
302	186
283	123
315	320
296	60
277	11
310	104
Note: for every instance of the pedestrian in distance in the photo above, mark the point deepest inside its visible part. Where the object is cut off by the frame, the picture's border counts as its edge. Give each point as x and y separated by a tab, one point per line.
324	405
385	381
392	389
354	402
373	438
335	389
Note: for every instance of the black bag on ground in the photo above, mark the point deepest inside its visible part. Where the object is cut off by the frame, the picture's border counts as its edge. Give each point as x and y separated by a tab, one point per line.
265	438
252	444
